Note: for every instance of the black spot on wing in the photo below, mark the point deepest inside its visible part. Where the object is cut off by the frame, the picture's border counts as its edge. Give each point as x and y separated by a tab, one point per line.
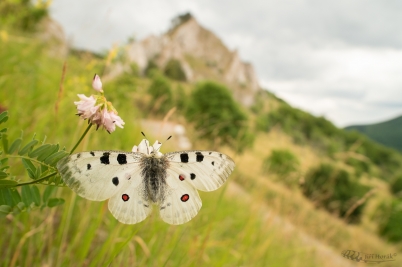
88	166
115	181
192	176
213	163
92	153
122	159
210	153
78	155
184	157
199	157
105	158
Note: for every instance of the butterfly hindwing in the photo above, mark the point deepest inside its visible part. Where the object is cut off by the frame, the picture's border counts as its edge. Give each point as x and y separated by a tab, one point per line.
205	170
98	175
130	204
181	202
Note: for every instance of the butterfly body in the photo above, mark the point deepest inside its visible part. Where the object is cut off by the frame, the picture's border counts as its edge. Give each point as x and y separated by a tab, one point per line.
154	175
133	181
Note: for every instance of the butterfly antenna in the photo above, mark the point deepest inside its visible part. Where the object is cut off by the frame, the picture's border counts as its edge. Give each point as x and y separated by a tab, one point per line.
162	143
143	135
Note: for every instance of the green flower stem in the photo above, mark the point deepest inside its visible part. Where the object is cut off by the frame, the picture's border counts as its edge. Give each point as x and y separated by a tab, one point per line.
38	180
82	137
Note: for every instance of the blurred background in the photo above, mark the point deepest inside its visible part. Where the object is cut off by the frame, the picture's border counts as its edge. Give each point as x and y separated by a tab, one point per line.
303	95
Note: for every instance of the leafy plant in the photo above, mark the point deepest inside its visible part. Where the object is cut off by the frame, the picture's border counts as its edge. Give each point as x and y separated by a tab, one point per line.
390	214
396	186
281	161
218	117
151	66
174	70
335	190
39	161
22	14
161	94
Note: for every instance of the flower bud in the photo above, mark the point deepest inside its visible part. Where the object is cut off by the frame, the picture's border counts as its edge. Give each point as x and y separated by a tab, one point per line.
96	83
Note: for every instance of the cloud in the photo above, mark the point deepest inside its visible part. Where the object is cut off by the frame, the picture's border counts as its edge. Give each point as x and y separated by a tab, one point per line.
341	59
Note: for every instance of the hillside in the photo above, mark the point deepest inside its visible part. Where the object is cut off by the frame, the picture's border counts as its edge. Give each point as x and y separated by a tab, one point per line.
387	133
303	191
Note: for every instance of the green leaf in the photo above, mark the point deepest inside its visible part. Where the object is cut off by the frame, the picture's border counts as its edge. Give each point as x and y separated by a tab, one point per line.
26	195
15	195
3	116
2	196
53	202
38	151
28	164
15	146
3	161
5	209
31	174
52	149
43	168
7	196
7	183
48	192
28	147
53	159
3	175
19	207
4	130
31	169
4	140
35	195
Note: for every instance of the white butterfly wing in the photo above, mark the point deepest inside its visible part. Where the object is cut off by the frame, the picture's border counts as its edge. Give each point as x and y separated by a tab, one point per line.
181	202
129	205
187	172
98	175
205	170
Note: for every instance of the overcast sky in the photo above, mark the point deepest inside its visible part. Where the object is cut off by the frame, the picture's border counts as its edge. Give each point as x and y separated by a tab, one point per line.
339	59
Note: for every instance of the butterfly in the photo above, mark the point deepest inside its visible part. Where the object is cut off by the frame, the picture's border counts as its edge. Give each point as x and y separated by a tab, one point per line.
134	181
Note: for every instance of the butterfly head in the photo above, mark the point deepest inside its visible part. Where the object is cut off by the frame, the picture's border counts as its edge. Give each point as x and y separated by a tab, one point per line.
145	148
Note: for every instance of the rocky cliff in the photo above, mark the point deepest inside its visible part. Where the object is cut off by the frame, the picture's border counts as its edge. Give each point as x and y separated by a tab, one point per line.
202	56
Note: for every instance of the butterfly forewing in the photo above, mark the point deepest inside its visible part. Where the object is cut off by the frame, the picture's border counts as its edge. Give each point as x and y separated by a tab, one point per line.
98	175
205	170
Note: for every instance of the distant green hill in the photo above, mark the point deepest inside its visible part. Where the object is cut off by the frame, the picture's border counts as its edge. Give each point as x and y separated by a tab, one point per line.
388	133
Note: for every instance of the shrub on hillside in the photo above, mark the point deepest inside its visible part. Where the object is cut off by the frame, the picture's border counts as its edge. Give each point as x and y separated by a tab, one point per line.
22	15
181	98
281	161
386	159
360	166
390	215
218	117
396	186
174	70
161	94
335	190
151	68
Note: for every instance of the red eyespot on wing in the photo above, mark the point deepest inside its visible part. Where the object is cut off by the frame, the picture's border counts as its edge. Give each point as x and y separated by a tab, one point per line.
185	197
125	197
182	177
